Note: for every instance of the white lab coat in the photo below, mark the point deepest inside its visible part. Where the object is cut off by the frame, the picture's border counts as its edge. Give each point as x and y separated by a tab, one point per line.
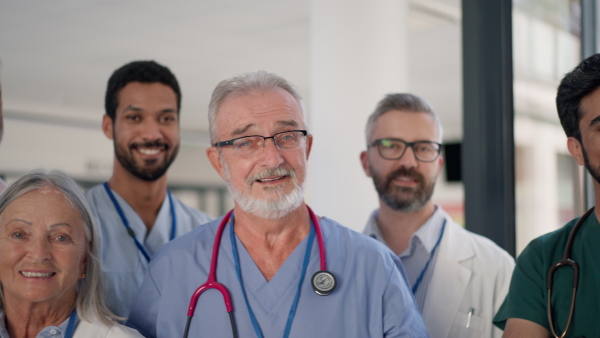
471	272
96	330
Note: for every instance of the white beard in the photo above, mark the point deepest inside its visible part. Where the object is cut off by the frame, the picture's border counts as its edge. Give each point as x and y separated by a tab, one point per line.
273	208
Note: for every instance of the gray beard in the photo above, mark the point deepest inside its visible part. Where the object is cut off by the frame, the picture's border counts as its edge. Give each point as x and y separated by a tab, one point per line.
272	209
404	199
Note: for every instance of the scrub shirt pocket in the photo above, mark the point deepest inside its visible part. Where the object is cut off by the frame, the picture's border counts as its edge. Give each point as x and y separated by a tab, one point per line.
459	327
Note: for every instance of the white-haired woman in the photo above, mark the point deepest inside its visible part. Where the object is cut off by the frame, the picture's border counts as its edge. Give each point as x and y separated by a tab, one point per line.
49	270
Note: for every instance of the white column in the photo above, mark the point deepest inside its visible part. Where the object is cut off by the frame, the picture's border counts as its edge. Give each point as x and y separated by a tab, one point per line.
357	55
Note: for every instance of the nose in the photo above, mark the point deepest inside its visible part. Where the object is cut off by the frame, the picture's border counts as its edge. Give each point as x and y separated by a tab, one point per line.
270	154
409	160
151	130
39	249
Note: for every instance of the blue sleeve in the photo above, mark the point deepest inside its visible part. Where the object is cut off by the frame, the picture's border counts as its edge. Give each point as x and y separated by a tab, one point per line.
144	314
398	301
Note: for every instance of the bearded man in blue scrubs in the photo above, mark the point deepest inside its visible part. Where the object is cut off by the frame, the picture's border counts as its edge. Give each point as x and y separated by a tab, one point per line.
270	245
135	212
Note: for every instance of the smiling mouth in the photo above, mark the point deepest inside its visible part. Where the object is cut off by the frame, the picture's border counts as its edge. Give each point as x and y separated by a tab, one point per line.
37	274
270	179
149	151
150	148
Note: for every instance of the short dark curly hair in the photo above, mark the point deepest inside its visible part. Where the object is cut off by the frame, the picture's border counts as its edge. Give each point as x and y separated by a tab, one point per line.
138	71
575	86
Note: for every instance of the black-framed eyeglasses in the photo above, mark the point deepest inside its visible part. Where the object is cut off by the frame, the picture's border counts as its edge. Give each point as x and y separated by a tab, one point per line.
394	149
248	146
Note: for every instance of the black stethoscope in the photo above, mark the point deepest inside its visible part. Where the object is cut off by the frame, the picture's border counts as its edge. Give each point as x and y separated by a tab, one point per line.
126	222
565	261
323	281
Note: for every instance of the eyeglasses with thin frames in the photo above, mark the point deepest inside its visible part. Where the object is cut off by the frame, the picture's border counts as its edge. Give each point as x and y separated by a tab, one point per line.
394	149
248	146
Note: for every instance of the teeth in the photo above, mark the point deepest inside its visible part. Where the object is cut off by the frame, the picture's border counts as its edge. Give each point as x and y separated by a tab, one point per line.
37	274
149	151
270	179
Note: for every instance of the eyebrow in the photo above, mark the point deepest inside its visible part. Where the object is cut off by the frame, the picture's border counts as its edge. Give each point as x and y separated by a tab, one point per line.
291	123
137	109
19	220
244	129
61	224
594	121
130	107
31	224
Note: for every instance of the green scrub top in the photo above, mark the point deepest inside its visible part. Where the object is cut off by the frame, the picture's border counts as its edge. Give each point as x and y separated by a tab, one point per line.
527	296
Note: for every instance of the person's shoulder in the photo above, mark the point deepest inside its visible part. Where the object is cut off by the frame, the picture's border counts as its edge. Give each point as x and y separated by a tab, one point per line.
557	235
121	331
548	245
93	193
194	213
337	234
484	247
98	330
202	236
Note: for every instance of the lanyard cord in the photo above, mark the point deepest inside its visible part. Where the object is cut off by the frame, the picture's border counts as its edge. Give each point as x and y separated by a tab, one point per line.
71	324
126	222
292	313
422	274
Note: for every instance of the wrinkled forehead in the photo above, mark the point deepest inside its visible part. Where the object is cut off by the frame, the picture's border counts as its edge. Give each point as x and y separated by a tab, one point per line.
33	202
259	109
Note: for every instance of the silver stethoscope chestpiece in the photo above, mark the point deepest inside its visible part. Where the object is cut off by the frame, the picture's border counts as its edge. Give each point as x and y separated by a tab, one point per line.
323	282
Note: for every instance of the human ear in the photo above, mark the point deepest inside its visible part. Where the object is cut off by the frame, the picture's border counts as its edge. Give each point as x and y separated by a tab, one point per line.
215	160
576	149
365	163
107	126
309	142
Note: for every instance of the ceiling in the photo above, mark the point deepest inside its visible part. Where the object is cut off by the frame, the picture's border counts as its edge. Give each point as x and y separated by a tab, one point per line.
57	55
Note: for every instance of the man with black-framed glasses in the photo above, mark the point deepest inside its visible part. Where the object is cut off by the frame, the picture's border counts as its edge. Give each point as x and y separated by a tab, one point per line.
458	278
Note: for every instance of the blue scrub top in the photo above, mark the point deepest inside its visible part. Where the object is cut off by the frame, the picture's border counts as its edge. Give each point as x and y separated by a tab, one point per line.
372	298
123	265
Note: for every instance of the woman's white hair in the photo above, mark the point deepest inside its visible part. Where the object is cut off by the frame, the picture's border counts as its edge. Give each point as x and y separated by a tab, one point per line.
90	302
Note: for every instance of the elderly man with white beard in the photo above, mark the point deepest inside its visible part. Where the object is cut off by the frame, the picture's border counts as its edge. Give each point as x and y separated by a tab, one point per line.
278	269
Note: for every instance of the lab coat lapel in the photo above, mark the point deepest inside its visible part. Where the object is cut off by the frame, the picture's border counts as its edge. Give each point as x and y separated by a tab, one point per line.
443	297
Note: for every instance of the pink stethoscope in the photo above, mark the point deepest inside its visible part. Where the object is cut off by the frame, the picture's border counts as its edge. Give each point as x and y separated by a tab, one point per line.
323	281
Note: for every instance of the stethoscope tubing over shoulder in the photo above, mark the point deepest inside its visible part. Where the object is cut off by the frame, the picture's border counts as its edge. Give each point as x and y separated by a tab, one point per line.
323	281
566	260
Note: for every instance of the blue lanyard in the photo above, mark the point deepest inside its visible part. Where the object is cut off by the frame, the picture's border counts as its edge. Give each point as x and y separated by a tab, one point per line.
126	222
422	274
71	324
290	320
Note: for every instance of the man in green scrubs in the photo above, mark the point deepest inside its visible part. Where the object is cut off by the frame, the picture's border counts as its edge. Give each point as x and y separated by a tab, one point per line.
524	312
